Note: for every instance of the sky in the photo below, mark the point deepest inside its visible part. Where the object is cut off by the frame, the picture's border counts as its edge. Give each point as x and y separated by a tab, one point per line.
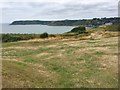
11	10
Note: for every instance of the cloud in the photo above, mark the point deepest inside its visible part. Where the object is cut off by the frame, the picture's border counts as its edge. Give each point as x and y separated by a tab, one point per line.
57	9
78	9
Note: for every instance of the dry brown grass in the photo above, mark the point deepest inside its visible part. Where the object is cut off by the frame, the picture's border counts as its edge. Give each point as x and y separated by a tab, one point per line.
62	63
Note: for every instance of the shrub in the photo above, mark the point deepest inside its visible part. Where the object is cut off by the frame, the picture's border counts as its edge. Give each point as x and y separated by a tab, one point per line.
10	38
80	29
44	35
52	35
18	37
114	27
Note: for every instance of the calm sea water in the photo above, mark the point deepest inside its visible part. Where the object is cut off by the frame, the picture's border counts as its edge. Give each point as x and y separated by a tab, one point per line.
6	28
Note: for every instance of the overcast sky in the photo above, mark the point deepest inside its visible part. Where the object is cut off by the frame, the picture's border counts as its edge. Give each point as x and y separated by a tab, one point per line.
57	9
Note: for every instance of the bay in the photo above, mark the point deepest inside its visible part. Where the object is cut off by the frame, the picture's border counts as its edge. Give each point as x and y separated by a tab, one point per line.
35	29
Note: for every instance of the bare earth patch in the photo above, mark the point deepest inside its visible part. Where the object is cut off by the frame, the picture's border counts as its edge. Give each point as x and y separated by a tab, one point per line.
42	54
51	46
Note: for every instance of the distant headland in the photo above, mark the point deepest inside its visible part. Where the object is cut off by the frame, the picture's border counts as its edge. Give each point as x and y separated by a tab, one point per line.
86	22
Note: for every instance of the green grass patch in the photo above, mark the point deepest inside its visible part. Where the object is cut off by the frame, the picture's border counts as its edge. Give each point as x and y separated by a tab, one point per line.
99	53
30	60
91	42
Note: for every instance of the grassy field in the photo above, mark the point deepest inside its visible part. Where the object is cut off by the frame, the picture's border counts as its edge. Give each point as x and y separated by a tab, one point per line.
61	63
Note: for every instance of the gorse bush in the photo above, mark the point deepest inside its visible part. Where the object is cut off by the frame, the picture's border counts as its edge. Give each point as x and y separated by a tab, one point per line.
80	29
44	35
18	37
10	38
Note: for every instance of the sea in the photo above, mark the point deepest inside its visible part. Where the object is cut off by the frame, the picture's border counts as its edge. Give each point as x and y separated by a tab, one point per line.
34	29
